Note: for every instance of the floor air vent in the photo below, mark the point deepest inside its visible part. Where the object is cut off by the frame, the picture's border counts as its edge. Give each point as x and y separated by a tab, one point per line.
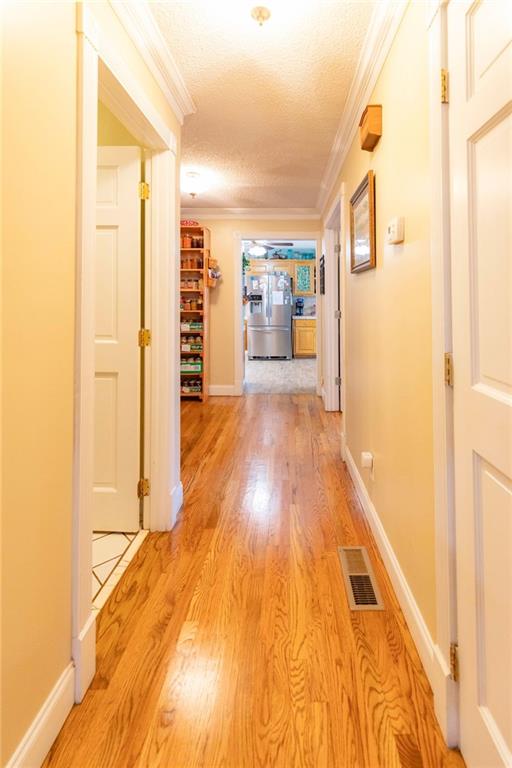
362	591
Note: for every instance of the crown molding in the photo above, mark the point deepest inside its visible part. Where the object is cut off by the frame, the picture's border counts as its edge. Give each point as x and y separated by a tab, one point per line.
379	38
143	31
283	214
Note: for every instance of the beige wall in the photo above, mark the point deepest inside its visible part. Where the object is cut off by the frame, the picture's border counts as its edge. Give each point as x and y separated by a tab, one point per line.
38	308
39	159
388	318
112	133
222	299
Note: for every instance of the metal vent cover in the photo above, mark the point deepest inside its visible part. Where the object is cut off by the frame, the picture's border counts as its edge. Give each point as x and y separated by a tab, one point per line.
360	582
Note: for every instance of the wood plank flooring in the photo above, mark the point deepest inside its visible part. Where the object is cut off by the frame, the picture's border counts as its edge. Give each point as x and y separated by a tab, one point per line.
229	642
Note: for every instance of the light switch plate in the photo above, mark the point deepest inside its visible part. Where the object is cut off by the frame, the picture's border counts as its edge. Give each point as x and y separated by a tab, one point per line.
395	231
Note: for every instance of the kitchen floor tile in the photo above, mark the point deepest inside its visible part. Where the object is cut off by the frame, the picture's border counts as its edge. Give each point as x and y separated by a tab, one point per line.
103	571
297	376
107	547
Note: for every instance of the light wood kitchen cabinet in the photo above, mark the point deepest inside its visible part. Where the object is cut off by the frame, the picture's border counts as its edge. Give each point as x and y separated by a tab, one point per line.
261	266
304	337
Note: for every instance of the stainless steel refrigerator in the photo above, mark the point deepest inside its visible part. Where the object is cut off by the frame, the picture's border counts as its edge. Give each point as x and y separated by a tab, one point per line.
269	322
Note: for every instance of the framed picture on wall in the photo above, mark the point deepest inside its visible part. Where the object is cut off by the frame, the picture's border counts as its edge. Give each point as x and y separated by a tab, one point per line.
362	225
304	278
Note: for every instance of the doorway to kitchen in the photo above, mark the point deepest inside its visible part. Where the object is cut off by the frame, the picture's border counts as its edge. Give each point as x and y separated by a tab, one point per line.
279	315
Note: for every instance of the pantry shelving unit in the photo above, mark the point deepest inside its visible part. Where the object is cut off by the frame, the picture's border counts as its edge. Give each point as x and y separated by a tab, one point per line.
195	283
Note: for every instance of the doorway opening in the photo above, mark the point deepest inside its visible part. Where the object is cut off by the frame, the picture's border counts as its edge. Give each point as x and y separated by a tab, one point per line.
119	364
117	290
279	316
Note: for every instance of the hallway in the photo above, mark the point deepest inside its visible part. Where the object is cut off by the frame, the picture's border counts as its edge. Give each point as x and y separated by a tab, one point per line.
229	641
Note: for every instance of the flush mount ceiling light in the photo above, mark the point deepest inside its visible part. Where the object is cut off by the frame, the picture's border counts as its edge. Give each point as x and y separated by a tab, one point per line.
260	14
193	183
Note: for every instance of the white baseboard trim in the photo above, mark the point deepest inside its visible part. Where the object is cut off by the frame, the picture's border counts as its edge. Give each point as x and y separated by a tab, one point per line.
83	651
46	725
343	443
223	390
436	667
176	503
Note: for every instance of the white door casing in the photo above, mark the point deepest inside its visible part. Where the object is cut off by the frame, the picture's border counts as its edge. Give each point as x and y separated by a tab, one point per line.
331	325
117	355
102	73
480	109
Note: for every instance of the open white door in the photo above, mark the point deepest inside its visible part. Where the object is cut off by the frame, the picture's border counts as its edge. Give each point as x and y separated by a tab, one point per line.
117	355
331	313
480	109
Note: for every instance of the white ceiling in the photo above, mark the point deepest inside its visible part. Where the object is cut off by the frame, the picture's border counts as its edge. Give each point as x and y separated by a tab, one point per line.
269	99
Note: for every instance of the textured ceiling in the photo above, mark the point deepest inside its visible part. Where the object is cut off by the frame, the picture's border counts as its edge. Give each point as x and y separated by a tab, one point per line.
269	99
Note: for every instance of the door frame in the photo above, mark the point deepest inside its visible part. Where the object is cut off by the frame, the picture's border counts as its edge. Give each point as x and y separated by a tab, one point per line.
333	329
102	73
446	691
238	328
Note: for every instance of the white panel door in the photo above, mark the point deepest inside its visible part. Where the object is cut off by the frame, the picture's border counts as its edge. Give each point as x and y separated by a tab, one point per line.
117	357
480	109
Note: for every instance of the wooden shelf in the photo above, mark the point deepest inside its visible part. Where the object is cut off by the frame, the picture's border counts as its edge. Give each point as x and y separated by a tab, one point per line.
200	257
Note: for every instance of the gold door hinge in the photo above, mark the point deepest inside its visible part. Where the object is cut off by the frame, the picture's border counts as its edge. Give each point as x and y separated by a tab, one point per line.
448	369
143	487
144	337
444	86
454	662
144	190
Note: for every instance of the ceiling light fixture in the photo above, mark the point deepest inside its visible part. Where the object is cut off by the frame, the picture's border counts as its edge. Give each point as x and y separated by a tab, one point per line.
193	183
257	250
260	14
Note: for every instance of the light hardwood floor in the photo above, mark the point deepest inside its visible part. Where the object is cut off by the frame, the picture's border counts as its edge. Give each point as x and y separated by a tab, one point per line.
229	642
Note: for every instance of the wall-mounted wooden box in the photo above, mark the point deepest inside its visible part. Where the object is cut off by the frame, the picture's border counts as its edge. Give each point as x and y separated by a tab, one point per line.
370	127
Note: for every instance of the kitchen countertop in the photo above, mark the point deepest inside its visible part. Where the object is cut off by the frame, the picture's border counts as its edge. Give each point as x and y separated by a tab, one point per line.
303	317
